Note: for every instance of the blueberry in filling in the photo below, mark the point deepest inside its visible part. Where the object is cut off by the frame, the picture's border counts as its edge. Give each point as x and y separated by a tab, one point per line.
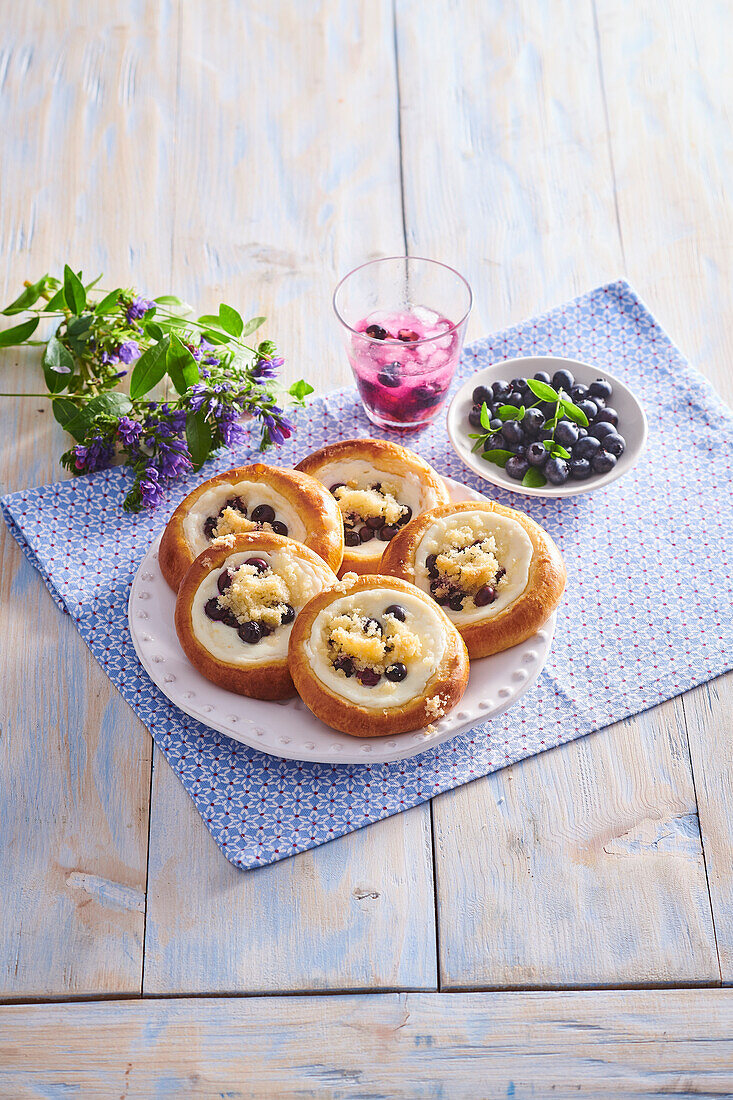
396	672
370	512
363	646
261	515
462	573
221	609
396	611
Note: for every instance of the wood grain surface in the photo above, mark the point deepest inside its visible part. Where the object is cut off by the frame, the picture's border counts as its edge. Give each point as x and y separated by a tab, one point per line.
254	152
610	1045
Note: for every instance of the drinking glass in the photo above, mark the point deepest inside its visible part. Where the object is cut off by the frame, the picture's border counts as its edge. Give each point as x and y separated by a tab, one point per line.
403	319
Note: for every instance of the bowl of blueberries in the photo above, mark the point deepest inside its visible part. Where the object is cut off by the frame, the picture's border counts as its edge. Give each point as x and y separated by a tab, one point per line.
546	426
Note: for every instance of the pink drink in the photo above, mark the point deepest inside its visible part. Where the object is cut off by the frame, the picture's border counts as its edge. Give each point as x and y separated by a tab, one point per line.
403	364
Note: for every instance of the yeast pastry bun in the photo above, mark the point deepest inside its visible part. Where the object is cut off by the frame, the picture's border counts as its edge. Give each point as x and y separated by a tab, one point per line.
236	605
379	487
252	498
376	656
497	574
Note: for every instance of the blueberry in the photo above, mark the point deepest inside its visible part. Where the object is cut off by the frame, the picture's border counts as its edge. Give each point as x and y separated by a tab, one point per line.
474	417
280	528
351	538
430	565
365	534
388	531
614	444
513	432
396	611
599	401
496	440
517	467
407	335
263	513
536	454
287	615
372	623
427	394
600	388
543	376
337	485
563	379
396	672
406	515
258	563
377	332
588	407
556	470
484	596
587	447
603	462
607	415
579	469
532	421
228	618
369	677
440	600
389	377
455	603
500	389
582	431
481	394
601	429
578	392
250	632
213	611
566	433
224	580
519	385
210	527
515	399
345	665
547	408
375	522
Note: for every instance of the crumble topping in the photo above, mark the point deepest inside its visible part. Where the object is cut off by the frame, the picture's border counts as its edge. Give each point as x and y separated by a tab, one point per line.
233	522
369	503
369	644
256	596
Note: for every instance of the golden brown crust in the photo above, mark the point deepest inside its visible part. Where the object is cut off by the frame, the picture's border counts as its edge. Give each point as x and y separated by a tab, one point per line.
314	504
448	681
386	457
269	680
520	619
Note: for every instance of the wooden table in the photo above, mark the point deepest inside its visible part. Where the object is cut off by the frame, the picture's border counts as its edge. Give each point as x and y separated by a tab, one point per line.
560	927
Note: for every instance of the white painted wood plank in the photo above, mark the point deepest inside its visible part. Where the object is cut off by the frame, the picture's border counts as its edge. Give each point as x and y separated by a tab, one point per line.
80	95
669	88
582	866
608	1045
287	175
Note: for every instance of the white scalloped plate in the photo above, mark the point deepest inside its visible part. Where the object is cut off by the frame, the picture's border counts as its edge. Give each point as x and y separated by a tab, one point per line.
288	728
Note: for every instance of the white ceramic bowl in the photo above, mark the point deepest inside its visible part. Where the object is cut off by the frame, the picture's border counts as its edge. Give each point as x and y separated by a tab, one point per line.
632	423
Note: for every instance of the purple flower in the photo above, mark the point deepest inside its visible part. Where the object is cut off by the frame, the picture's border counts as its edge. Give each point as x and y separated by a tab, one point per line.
137	308
128	351
278	425
96	456
150	488
231	432
174	458
129	430
263	369
197	396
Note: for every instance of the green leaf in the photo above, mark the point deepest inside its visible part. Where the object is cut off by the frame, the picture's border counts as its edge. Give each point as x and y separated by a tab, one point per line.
181	365
534	478
112	404
252	325
215	337
300	389
574	413
28	297
171	302
198	438
507	412
170	323
149	369
91	286
557	449
74	293
153	330
485	416
230	320
55	303
211	320
12	337
57	361
542	390
498	456
108	303
520	412
65	411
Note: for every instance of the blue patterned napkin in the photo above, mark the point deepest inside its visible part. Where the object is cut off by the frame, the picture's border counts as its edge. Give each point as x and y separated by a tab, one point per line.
647	613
